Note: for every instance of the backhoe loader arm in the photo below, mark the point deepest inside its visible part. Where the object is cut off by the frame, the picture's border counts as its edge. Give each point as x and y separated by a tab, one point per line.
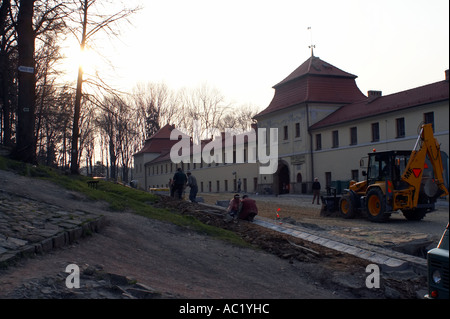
426	145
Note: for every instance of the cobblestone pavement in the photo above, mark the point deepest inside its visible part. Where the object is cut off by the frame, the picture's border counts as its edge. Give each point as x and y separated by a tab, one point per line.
29	227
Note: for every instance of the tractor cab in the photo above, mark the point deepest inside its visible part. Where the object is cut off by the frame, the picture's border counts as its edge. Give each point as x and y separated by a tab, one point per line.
387	166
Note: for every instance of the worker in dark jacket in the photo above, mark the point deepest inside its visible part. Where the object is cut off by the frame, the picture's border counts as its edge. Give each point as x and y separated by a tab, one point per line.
316	190
179	182
247	208
192	183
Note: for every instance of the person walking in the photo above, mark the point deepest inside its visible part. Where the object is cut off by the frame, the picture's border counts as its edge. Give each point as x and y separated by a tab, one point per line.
179	182
192	183
316	190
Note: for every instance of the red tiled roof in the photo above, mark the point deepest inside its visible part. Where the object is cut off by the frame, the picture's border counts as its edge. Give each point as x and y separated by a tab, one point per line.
165	154
315	66
160	141
315	81
426	94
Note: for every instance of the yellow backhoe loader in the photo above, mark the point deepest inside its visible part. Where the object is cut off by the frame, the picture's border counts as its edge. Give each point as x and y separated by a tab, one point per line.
398	180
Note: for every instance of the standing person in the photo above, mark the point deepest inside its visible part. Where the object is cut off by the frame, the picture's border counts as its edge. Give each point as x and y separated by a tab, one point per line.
192	183
239	183
316	190
247	209
179	181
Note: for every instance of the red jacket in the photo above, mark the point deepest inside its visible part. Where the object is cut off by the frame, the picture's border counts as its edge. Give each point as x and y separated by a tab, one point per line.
248	207
233	206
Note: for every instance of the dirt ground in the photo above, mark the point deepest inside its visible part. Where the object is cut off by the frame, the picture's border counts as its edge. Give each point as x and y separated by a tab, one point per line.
397	232
185	264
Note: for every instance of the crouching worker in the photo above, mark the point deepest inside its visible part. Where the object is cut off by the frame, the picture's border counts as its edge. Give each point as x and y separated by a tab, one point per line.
247	208
233	208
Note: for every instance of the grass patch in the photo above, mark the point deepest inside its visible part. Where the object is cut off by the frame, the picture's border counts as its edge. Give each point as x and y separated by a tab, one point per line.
119	198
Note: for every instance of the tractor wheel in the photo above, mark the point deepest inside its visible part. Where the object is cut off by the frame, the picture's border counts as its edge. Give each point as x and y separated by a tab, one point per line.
347	207
414	214
376	206
417	213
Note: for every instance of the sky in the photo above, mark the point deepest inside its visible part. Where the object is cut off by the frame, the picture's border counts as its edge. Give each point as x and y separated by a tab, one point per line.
243	48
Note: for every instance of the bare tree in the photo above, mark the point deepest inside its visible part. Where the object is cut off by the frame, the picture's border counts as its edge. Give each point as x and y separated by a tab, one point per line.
8	74
93	20
26	26
239	118
203	109
155	105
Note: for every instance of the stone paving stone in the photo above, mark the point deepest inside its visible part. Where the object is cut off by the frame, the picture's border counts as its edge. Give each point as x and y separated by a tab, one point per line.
384	257
28	227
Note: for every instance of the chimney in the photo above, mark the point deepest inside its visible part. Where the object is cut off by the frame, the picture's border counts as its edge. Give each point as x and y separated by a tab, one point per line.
446	75
374	94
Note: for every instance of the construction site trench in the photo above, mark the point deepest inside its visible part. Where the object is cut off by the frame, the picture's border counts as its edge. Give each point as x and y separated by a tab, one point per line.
406	282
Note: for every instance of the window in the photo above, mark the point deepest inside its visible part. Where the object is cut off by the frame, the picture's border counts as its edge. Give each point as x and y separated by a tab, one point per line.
318	142
375	132
428	118
285	133
353	136
297	129
400	126
335	141
355	174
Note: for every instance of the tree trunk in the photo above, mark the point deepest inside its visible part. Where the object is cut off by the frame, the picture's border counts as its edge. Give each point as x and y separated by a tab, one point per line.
5	75
74	164
112	158
26	143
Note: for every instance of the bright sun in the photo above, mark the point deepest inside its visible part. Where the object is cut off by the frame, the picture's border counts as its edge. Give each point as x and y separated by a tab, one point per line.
75	57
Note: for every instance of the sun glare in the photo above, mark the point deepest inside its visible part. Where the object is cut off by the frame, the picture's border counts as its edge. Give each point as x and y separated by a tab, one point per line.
75	57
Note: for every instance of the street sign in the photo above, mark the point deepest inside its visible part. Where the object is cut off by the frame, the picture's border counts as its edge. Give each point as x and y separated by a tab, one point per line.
26	69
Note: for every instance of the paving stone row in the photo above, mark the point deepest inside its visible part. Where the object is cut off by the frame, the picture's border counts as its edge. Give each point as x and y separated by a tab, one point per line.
388	259
29	227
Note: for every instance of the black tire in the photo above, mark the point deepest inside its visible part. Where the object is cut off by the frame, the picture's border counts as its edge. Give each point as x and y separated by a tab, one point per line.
415	214
347	206
376	206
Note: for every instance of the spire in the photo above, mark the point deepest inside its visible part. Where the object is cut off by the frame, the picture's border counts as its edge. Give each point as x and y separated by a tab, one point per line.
312	46
312	49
